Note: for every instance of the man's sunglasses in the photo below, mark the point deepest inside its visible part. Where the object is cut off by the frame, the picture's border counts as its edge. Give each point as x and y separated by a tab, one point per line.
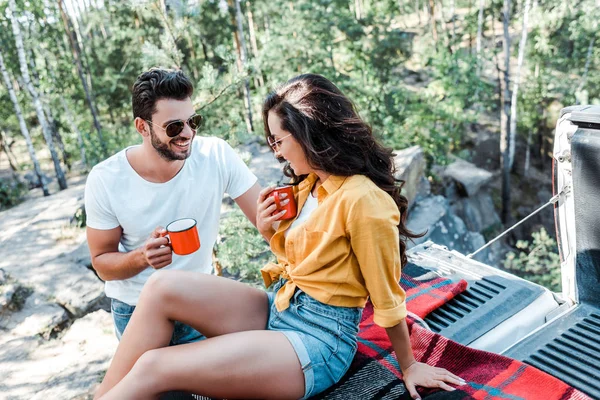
174	128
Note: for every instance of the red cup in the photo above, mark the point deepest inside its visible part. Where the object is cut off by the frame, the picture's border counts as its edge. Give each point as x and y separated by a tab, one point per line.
290	208
183	235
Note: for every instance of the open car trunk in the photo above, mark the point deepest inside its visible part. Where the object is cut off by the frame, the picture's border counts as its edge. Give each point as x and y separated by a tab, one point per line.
501	313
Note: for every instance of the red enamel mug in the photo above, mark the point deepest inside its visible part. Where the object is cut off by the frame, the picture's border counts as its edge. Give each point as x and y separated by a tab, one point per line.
290	207
183	235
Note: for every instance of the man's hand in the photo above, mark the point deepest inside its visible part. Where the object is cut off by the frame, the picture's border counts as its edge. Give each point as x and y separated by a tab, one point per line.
157	251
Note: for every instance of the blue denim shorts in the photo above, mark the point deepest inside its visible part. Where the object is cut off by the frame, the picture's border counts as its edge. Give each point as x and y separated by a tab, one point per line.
323	336
121	313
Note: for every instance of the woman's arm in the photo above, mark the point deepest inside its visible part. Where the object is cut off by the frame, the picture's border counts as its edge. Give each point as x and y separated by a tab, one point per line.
416	373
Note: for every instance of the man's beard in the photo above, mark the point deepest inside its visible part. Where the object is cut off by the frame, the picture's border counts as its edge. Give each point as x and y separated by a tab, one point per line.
164	151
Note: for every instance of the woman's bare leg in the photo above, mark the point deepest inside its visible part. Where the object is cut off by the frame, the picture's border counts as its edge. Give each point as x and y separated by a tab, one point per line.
254	364
212	305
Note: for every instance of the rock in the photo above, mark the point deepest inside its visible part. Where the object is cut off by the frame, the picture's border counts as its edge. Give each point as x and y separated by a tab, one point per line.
81	255
426	213
38	317
3	276
410	167
468	177
65	368
6	295
83	294
477	212
72	285
435	219
265	166
33	181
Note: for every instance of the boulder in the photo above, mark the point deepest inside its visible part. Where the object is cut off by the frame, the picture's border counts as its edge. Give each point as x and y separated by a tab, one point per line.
37	317
33	181
477	212
63	368
434	217
72	285
410	167
264	165
468	178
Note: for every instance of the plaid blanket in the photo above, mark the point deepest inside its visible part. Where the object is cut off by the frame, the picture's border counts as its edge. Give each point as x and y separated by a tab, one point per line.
426	291
375	373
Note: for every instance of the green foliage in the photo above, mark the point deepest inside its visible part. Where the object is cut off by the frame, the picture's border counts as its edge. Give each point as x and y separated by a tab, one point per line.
372	57
11	192
536	261
241	250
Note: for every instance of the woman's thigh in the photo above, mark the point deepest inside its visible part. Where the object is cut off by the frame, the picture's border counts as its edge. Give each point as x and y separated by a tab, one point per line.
256	364
210	304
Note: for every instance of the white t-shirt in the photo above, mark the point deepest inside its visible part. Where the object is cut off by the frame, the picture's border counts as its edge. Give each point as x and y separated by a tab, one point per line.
115	195
309	206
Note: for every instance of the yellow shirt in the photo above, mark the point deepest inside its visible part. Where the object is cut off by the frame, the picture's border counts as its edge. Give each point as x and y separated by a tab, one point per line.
346	251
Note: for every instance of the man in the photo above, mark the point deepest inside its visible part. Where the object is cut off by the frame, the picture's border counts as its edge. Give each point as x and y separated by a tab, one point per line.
173	174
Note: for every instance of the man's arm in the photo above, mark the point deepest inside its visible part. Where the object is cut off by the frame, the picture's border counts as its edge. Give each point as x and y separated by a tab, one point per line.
247	202
111	264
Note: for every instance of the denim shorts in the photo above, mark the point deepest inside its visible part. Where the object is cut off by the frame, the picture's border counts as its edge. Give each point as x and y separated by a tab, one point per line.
323	336
121	313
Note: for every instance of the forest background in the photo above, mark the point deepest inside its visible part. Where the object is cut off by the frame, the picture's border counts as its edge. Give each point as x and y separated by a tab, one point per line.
480	80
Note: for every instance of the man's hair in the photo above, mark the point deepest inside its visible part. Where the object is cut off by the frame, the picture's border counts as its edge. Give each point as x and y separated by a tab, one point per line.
156	84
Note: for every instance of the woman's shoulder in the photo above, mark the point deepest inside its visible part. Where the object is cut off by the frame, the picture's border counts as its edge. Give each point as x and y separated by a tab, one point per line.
356	185
359	188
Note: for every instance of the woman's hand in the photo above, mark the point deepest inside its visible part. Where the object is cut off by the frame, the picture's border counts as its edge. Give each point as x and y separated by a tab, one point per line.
265	217
420	374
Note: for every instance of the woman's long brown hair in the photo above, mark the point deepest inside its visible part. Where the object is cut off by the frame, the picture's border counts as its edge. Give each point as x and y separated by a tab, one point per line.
335	139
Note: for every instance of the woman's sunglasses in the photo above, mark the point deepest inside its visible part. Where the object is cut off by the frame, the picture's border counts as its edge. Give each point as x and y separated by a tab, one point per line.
174	128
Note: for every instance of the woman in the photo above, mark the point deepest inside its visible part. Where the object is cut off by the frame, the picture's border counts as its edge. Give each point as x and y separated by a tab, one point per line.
346	244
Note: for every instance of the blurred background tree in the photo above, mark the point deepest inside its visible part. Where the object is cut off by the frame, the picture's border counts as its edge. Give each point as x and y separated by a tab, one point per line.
441	74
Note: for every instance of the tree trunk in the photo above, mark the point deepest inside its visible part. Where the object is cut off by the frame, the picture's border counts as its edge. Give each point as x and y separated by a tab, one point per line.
78	35
431	8
530	133
505	119
5	146
513	104
585	71
23	126
480	27
453	18
60	176
163	9
74	128
76	56
56	137
240	44
358	10
254	44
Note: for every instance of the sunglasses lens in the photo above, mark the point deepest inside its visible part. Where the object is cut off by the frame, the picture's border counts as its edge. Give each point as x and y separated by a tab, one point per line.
195	121
174	128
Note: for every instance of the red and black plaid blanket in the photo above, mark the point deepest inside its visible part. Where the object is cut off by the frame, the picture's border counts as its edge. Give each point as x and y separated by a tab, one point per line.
426	291
375	374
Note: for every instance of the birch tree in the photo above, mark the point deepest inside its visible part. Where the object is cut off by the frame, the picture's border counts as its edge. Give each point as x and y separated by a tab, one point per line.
24	131
505	117
77	57
588	59
479	38
60	176
240	45
71	121
517	78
